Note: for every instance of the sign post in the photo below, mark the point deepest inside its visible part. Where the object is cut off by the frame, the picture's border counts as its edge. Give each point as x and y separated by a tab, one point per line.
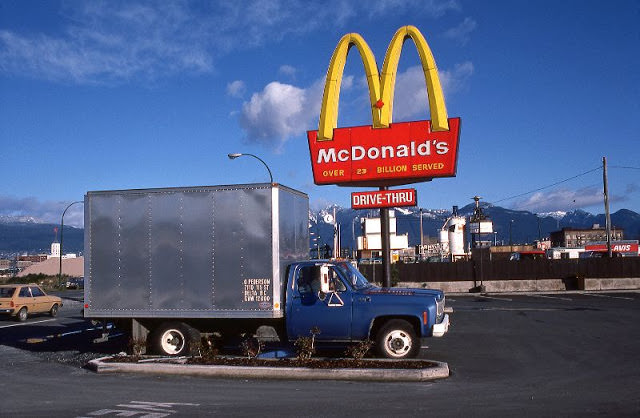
386	245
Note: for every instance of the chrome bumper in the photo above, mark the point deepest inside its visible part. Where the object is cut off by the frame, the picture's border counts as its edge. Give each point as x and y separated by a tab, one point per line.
442	328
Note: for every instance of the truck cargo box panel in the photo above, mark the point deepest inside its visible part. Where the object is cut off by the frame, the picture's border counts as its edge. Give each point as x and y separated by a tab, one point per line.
197	252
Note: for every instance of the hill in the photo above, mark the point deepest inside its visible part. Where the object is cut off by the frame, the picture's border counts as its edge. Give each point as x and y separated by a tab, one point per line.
35	238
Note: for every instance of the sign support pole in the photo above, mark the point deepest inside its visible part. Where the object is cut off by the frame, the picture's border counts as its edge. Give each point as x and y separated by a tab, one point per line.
386	245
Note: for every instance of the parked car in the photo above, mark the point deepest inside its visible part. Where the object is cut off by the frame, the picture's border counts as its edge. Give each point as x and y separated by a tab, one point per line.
75	283
21	300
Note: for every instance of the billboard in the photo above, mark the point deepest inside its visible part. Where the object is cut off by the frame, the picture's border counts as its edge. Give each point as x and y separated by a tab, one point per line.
383	153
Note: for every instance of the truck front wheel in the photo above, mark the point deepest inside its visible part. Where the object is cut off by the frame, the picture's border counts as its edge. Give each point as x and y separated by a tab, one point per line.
175	339
397	339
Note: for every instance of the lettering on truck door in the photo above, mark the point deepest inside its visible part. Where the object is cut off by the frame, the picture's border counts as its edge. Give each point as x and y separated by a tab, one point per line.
310	307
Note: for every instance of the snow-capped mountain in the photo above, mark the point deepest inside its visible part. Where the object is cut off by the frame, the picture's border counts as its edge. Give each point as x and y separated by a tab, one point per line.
28	234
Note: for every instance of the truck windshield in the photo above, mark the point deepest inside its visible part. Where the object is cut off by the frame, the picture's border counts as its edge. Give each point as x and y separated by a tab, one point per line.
357	280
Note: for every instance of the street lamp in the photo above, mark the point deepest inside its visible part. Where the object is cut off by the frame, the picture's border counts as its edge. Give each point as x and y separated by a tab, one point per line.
236	155
61	238
510	240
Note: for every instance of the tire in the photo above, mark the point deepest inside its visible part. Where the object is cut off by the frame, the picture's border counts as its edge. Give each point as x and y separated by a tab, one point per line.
397	340
175	339
22	314
54	310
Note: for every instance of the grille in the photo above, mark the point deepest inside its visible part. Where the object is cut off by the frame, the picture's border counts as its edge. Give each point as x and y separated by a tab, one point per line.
440	310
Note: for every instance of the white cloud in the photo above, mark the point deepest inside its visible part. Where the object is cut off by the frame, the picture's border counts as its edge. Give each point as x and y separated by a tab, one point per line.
236	88
279	112
411	93
282	111
454	80
102	42
432	8
43	211
109	43
287	70
561	199
462	32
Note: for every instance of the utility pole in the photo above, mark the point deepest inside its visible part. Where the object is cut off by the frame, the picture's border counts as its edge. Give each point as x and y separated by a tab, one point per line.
606	205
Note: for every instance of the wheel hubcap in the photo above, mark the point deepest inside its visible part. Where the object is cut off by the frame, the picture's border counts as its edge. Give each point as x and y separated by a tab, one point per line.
398	343
172	342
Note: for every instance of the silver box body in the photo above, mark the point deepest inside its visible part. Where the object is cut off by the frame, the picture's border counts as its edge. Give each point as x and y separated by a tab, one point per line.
192	252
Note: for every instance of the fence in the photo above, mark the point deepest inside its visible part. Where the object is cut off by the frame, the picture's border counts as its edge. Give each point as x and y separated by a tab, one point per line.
583	268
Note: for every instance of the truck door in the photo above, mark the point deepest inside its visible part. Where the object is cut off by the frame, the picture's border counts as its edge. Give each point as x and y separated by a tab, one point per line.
311	307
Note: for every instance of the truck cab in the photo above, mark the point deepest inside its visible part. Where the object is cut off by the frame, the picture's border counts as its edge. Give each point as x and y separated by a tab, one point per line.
337	299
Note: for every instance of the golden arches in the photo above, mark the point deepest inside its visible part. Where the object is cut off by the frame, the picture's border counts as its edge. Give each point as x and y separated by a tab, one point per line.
381	86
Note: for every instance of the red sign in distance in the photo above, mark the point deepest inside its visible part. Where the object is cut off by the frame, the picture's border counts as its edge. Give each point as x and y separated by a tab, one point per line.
615	247
406	152
384	199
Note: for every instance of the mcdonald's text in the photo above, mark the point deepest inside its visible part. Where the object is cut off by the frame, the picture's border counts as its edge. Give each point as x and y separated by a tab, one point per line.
404	153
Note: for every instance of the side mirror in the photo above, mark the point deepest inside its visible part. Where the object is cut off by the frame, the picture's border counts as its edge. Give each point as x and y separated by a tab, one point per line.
324	279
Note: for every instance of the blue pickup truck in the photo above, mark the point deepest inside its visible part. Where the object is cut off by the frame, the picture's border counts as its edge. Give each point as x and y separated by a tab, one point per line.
335	297
172	264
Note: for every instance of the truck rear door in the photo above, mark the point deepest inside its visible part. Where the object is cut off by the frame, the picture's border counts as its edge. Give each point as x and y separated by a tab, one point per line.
309	307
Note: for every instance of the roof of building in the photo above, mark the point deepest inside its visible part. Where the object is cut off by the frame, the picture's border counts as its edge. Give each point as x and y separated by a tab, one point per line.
72	267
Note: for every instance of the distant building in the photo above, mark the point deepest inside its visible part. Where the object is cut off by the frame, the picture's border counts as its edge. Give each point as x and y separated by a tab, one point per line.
55	252
370	244
579	237
32	258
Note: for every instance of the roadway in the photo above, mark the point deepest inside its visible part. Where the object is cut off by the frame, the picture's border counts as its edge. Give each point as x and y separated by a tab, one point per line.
568	354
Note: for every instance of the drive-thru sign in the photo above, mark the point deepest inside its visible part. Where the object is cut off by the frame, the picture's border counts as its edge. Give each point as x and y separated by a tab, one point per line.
384	199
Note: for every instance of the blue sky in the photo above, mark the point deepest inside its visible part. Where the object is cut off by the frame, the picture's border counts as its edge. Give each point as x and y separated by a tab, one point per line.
135	94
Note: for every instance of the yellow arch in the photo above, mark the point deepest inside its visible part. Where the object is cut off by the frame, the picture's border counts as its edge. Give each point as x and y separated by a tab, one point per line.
331	96
437	105
381	87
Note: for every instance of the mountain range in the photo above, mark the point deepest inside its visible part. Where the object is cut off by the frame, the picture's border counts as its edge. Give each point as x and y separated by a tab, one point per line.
526	226
27	235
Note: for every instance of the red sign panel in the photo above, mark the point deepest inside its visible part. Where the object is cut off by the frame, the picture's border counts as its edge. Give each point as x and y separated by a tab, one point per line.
384	199
406	152
615	247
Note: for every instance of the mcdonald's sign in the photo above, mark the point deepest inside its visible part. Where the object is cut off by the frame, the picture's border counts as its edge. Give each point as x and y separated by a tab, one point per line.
384	153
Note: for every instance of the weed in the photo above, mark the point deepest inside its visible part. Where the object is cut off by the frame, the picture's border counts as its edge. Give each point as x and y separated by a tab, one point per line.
137	347
358	351
306	345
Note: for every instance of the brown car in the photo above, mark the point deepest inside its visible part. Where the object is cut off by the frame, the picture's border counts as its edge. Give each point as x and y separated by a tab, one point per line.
21	300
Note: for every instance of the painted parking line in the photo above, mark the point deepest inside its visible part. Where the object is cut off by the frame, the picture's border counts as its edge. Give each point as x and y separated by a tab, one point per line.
505	309
144	409
27	323
37	340
494	298
606	296
551	297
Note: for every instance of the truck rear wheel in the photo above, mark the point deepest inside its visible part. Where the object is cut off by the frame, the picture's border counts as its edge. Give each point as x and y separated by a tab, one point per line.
175	339
397	339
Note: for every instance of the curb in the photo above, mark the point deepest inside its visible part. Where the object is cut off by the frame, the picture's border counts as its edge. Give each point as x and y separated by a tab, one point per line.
440	371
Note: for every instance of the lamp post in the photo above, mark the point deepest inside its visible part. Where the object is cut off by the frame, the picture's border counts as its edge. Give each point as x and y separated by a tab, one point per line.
236	155
61	239
510	240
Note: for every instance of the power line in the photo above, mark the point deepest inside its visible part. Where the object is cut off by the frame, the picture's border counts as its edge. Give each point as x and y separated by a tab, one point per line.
622	166
551	185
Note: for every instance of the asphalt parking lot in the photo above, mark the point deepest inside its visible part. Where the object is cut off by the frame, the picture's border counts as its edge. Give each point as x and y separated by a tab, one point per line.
567	354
